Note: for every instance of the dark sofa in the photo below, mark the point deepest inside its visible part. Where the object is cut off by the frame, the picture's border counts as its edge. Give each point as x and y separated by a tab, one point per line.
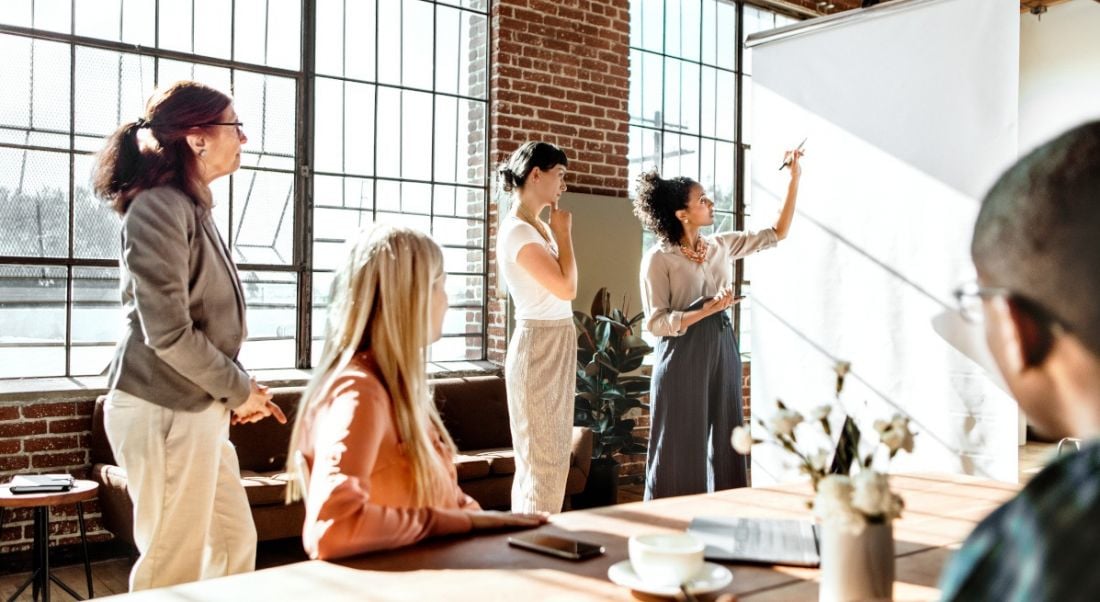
474	410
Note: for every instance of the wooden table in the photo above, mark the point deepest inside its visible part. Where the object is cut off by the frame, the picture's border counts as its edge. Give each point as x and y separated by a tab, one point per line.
81	492
941	512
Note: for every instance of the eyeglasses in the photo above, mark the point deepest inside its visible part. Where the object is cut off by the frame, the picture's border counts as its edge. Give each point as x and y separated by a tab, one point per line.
239	125
969	297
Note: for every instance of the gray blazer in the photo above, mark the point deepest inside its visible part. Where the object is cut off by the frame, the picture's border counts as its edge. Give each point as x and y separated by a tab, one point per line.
184	307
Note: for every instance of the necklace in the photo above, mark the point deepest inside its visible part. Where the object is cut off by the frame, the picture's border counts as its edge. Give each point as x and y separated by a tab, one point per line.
698	254
523	213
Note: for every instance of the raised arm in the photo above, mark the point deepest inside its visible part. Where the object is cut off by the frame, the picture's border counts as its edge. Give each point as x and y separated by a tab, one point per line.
786	214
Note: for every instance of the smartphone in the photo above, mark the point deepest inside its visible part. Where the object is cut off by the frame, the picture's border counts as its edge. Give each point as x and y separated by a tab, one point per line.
553	545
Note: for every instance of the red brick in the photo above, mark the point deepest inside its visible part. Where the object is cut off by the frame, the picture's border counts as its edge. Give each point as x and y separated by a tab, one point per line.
23	428
49	410
13	463
9	412
55	460
10	446
39	444
76	425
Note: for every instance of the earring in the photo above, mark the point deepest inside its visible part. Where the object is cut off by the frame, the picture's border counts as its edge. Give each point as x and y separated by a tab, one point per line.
202	152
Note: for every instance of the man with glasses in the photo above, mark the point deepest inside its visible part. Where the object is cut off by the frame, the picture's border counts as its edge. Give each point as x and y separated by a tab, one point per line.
1036	248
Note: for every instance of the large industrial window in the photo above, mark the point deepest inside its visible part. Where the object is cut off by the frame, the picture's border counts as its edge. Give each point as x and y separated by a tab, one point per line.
689	98
357	111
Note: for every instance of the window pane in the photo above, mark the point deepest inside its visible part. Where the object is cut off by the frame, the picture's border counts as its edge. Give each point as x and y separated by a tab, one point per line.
465	290
34	203
96	315
652	24
49	15
95	226
110	89
726	23
266	105
263	217
452	231
416	135
32	321
459	201
344	128
725	105
710	32
724	178
169	71
389	42
268	32
689	40
272	319
131	21
417	21
463	260
35	101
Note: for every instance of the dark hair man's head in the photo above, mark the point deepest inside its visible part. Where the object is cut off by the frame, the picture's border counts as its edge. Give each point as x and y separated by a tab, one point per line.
1036	248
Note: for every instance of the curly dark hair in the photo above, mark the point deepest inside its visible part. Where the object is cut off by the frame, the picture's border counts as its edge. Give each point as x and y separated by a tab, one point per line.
656	201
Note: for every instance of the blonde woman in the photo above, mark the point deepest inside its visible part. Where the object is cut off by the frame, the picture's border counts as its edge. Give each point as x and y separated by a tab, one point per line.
536	262
372	451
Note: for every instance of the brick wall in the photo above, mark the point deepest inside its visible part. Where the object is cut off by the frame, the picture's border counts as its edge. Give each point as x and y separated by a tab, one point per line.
46	436
561	74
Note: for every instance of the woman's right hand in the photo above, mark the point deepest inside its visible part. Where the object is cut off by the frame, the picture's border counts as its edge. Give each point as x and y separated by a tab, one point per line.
258	406
561	223
493	519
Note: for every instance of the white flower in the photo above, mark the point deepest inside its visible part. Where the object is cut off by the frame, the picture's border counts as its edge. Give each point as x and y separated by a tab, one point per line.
818	459
741	440
783	421
871	495
895	434
821	412
833	504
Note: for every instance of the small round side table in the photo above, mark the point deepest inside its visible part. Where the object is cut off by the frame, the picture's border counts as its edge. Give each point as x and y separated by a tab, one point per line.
41	502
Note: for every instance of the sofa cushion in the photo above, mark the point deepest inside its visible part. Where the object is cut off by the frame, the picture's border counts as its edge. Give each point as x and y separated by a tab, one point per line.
471	467
475	411
502	461
264	488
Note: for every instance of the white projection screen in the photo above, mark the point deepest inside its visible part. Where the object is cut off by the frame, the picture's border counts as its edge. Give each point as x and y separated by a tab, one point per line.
910	109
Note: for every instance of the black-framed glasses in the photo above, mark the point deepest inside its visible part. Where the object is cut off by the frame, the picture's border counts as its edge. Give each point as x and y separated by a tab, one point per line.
969	297
238	124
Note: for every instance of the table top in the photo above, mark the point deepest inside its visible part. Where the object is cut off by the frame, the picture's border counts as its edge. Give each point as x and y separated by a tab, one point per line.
82	491
941	512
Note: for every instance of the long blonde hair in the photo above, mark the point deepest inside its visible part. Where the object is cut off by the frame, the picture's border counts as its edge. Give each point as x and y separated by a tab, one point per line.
381	301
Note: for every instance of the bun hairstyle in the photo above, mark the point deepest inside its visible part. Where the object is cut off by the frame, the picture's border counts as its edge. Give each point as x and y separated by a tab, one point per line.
656	201
543	155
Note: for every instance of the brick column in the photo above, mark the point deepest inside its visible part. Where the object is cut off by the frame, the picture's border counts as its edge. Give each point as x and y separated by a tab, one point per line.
560	73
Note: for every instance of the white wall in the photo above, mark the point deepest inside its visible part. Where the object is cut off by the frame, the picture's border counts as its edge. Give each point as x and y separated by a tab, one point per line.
1059	70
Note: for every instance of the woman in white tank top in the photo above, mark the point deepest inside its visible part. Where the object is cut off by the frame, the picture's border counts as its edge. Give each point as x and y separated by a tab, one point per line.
536	261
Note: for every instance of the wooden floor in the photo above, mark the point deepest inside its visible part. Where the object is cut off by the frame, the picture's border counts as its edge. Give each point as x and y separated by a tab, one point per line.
110	577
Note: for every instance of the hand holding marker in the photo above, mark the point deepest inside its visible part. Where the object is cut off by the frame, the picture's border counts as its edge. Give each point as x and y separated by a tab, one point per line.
788	162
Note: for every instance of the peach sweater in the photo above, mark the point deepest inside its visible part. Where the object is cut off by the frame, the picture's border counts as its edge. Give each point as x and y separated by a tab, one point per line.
360	495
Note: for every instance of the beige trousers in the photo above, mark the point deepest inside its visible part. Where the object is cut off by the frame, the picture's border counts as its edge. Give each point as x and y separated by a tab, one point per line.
191	517
541	377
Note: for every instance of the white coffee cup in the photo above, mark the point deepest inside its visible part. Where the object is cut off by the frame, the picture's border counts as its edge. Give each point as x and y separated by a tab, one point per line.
666	559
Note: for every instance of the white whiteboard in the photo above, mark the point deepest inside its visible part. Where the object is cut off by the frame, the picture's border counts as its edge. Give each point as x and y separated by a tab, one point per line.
911	112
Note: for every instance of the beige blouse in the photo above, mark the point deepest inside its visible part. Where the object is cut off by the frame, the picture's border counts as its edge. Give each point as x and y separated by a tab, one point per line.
671	282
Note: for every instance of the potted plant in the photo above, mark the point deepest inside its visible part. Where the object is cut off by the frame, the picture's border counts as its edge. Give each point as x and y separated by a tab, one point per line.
608	350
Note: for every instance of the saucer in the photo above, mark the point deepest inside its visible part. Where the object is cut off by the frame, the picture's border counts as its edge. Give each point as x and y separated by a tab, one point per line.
712	577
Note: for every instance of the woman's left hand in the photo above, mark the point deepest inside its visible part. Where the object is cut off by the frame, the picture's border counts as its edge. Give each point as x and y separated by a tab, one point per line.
792	157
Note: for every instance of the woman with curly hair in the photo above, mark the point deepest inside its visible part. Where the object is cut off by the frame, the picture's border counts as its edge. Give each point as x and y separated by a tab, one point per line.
687	286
